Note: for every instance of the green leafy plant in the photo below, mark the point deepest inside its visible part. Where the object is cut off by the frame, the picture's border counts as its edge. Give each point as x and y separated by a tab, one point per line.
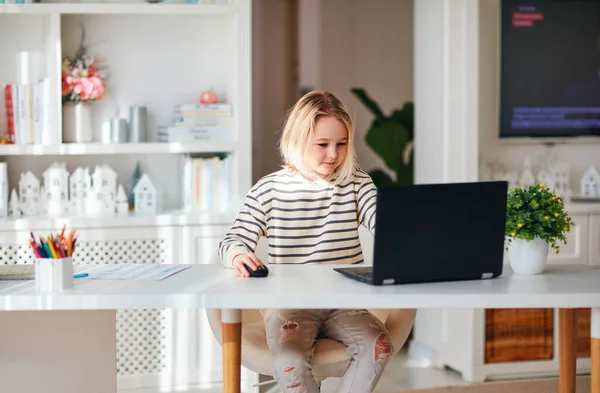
536	211
391	138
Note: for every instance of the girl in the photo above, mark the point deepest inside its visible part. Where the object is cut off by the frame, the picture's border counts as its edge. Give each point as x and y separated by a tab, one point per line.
310	211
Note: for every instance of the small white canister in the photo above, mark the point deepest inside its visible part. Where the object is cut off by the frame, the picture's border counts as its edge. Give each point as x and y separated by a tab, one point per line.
53	275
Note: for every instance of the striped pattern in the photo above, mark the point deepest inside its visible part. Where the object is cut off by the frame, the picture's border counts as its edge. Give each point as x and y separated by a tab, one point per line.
305	222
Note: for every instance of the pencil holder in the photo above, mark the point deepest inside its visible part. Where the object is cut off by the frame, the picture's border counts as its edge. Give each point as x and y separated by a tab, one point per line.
53	275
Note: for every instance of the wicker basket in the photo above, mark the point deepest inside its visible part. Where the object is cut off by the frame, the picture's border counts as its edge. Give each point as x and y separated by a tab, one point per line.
519	334
584	322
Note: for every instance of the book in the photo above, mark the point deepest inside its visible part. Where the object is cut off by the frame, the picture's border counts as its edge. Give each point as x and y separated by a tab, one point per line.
17	272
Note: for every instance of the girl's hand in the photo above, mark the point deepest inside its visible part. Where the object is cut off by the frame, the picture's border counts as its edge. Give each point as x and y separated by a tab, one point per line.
250	259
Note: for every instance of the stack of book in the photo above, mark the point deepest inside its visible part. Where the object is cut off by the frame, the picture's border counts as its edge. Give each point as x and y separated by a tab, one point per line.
206	184
26	112
200	123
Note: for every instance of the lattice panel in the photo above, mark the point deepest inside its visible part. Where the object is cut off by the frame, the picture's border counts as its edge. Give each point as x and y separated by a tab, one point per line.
12	254
143	345
142	341
122	251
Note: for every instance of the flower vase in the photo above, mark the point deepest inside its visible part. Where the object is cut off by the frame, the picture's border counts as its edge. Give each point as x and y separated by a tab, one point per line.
528	256
77	123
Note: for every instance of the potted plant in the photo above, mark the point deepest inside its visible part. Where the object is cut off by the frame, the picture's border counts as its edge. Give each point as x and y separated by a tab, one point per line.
391	138
536	220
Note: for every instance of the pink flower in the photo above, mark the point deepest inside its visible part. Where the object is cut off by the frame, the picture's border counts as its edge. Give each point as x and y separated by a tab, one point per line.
86	88
98	89
78	88
67	85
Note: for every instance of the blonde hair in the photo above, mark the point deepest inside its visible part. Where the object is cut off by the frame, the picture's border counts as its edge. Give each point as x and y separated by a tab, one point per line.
299	130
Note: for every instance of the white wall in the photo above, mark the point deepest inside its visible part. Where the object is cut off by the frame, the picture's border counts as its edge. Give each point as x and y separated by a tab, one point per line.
511	155
357	43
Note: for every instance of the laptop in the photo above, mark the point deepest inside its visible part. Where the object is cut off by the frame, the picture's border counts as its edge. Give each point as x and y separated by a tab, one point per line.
436	232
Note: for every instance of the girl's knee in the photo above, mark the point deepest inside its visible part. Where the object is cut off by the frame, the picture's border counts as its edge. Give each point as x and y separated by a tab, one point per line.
379	340
383	347
282	334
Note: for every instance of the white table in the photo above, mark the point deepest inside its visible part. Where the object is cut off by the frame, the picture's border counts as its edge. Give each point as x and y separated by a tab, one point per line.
315	286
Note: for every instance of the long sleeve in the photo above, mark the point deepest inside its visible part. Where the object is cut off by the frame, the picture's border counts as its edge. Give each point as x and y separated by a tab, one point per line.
249	226
366	199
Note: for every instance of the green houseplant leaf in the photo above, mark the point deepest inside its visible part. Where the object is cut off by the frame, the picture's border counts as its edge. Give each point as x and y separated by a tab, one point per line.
537	211
364	98
406	117
390	137
389	140
380	178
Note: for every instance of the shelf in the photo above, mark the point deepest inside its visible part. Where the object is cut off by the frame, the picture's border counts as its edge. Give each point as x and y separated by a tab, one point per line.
119	9
173	218
117	148
581	207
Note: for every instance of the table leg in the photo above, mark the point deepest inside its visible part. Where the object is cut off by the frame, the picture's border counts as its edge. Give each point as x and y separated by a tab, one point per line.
595	350
567	362
231	324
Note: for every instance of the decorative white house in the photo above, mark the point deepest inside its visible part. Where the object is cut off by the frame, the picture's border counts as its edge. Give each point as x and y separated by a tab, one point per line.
590	183
3	189
14	205
102	197
144	195
527	178
561	174
56	184
80	184
122	206
29	191
546	177
42	206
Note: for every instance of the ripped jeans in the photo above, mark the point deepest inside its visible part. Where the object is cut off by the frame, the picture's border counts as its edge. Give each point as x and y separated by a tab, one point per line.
291	336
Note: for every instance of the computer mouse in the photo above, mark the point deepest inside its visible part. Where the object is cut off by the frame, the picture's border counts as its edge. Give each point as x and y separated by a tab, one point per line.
261	271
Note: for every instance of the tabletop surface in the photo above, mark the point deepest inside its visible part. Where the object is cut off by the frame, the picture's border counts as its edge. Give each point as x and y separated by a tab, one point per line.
311	286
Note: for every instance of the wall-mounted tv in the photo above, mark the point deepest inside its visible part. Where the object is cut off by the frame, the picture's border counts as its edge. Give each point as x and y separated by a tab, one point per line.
550	68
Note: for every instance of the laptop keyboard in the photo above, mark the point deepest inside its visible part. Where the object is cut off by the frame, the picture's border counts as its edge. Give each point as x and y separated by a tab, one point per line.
366	272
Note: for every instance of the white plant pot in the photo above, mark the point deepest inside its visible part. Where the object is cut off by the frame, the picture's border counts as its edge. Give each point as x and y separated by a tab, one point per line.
528	257
77	123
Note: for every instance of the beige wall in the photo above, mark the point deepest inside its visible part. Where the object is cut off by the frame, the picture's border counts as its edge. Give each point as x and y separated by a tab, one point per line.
511	155
359	43
273	90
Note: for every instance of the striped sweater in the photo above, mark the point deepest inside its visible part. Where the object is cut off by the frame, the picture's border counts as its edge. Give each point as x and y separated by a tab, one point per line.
304	222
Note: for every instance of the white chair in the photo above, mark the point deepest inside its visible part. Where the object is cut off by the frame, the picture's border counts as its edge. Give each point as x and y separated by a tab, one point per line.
330	357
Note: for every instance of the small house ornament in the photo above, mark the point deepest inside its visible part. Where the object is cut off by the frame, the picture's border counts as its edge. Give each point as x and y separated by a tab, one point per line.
102	198
14	205
144	195
547	178
80	184
29	191
590	183
42	206
56	184
527	178
562	184
122	205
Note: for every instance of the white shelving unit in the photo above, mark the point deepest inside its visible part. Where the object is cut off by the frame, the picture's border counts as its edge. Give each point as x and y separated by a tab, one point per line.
158	56
121	9
74	149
